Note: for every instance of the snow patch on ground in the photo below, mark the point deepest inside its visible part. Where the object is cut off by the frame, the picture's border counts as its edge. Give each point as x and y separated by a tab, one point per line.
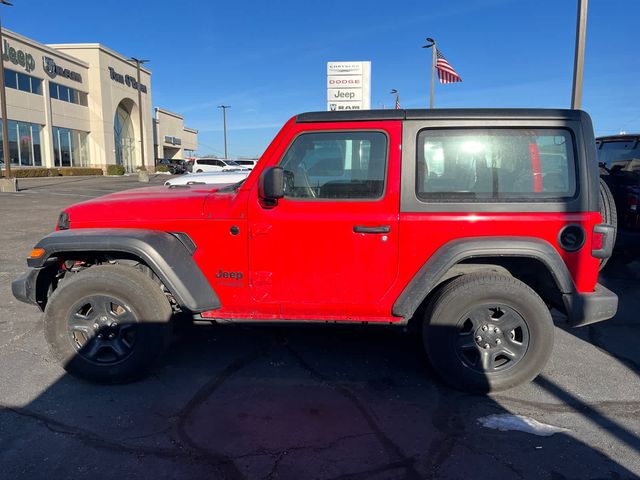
506	421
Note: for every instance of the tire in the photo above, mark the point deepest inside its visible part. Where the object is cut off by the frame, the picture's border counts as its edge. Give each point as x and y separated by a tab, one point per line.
609	214
517	341
108	324
198	171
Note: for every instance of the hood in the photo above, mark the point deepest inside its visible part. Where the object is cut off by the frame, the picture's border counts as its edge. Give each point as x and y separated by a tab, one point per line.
142	204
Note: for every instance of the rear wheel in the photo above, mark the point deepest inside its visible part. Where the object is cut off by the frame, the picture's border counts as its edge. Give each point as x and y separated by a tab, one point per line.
108	323
487	332
608	212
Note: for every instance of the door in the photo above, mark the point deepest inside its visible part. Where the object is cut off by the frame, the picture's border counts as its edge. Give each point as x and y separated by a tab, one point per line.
330	246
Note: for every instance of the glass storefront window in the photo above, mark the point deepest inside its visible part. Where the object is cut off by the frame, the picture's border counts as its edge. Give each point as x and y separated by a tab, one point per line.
36	131
13	143
24	144
70	148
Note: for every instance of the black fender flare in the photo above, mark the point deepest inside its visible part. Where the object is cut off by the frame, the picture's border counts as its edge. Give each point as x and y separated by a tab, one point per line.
168	255
454	252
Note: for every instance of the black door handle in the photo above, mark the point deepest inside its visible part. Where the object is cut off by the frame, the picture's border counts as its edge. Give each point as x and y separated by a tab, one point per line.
363	229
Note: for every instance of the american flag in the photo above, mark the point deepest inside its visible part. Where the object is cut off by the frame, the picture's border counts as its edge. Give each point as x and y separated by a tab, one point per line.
397	102
446	73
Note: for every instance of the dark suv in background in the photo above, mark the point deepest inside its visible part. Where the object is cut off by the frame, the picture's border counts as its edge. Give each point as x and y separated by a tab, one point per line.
175	167
619	160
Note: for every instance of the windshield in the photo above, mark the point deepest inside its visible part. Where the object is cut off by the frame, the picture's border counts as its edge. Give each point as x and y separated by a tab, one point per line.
620	155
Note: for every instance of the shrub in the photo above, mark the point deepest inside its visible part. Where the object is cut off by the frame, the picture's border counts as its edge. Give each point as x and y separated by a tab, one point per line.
31	172
77	171
115	170
162	168
53	172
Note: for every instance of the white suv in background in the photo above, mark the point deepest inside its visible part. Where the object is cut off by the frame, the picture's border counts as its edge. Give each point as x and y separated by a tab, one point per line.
210	164
247	163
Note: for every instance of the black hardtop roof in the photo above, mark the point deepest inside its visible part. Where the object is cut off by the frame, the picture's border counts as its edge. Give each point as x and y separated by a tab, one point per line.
439	113
620	137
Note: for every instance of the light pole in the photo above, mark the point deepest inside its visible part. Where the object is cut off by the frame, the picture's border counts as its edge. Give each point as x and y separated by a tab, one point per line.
224	123
142	177
5	122
578	61
432	46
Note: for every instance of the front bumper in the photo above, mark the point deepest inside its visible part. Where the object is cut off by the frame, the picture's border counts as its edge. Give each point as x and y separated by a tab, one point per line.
587	308
24	287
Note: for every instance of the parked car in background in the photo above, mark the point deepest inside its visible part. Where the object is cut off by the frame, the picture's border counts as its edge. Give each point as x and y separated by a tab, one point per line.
215	178
211	164
247	162
619	160
175	166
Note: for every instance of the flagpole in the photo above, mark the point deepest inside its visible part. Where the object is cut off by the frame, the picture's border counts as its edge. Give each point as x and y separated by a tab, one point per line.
433	72
432	46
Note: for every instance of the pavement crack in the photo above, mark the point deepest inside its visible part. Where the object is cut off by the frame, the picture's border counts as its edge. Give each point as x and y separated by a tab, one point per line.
406	464
101	443
200	397
14	339
393	451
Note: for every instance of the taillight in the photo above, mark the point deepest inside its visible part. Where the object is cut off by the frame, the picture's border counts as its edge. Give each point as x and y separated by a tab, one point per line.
632	202
602	239
597	241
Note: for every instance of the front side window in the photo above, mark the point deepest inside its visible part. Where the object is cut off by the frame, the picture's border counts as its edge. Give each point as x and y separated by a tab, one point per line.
336	165
495	164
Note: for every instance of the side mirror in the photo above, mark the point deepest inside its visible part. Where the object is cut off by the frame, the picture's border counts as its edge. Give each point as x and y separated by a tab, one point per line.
271	186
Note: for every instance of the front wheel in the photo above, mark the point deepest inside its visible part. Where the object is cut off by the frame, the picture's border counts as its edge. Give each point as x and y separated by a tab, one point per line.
108	324
487	332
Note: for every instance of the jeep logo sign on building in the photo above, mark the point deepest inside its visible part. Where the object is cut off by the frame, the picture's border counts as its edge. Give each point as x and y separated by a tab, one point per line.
348	85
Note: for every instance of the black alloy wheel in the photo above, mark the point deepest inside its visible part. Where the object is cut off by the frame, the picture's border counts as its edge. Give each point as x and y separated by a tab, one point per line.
102	329
492	338
108	323
487	331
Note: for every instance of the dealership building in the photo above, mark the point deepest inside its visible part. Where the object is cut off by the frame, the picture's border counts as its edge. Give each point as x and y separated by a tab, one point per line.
76	105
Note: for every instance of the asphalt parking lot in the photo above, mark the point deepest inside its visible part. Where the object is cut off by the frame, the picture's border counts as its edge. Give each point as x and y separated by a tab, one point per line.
240	401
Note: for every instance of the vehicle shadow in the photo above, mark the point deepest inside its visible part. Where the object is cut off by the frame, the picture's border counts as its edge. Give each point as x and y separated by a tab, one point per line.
246	401
619	336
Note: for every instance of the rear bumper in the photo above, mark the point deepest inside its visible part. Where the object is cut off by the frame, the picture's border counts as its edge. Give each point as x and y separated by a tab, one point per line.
24	287
587	308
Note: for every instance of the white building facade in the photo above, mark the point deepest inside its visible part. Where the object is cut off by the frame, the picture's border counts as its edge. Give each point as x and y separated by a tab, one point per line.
75	105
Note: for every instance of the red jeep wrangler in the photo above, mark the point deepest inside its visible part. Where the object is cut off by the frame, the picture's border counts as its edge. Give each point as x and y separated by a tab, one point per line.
475	222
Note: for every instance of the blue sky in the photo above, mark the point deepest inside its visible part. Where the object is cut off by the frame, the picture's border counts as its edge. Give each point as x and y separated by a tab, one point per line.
267	59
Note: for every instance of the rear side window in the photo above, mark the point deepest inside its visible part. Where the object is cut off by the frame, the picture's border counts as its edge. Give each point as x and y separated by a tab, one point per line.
495	164
620	156
336	165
